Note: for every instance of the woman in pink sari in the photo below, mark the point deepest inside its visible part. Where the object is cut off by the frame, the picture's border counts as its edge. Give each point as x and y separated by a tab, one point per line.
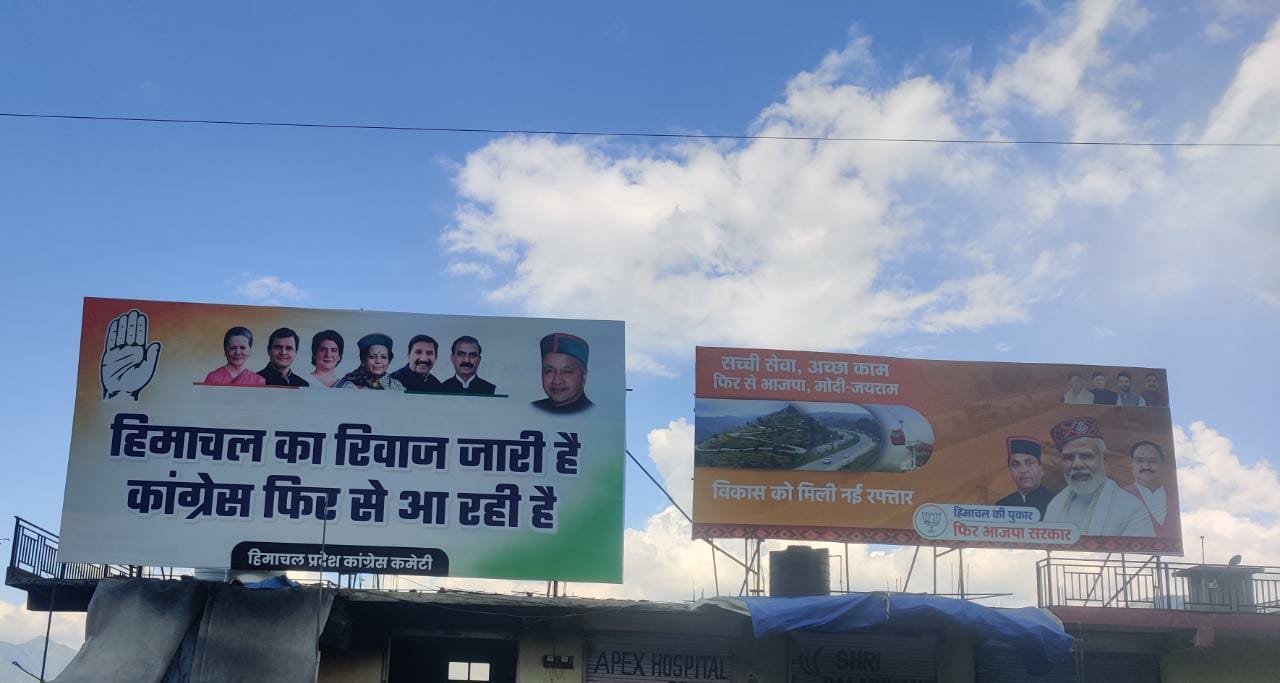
237	344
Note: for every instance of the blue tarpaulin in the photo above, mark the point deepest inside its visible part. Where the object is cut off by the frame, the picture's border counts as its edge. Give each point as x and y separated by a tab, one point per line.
1036	635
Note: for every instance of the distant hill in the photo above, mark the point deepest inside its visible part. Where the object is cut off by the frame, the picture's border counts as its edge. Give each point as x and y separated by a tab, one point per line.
779	440
864	423
28	655
707	427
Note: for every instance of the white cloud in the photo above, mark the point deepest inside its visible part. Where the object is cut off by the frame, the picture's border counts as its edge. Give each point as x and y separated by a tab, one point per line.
18	625
1214	224
645	364
1003	347
991	298
768	243
1051	75
1227	16
1248	109
915	350
671	449
1227	534
1201	217
772	243
268	289
480	271
1211	476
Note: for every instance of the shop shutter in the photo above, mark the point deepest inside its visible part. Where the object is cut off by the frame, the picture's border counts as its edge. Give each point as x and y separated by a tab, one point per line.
1000	664
627	657
853	657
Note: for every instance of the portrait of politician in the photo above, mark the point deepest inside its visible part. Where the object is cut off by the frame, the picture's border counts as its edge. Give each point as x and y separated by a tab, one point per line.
416	374
1153	395
465	355
1091	500
1076	393
326	353
375	360
1028	475
282	348
1148	460
1101	394
1126	397
237	345
564	373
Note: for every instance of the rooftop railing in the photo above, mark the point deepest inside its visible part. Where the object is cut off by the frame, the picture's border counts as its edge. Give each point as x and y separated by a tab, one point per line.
1152	583
35	554
33	559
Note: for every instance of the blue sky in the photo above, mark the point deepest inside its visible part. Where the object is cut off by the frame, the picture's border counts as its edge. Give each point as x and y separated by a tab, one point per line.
1123	256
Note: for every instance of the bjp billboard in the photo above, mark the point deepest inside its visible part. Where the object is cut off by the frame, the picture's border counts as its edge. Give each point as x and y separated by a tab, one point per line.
264	438
871	449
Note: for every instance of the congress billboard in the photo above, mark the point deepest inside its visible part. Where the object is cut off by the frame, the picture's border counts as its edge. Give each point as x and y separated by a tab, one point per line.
869	449
268	438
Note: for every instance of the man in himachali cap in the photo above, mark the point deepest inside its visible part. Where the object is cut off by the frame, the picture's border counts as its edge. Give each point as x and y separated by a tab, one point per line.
1091	500
1027	473
564	373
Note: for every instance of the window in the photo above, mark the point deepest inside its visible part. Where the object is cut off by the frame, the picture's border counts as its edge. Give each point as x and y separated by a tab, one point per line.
468	671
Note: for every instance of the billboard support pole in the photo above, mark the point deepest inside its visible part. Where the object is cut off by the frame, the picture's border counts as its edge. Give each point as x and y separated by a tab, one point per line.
962	573
935	570
912	568
1048	576
715	569
1105	563
1124	572
751	581
847	587
48	624
759	567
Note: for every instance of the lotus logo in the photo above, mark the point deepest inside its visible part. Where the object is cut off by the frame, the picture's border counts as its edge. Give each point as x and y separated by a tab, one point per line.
931	521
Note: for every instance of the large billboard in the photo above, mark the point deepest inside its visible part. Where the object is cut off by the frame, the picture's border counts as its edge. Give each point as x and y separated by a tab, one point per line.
869	449
282	438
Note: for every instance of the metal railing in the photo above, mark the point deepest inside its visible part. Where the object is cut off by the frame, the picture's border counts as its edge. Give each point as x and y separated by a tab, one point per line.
34	556
1152	583
35	553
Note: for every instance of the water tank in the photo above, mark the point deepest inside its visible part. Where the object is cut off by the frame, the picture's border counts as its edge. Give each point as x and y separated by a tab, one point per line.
799	570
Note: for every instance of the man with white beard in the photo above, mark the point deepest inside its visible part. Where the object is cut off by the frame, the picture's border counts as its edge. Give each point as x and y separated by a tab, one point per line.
1092	501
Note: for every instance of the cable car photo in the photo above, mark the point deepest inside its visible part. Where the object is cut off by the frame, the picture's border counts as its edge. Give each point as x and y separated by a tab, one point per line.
898	437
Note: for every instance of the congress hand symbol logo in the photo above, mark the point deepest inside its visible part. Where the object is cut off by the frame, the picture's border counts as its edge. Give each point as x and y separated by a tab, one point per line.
128	362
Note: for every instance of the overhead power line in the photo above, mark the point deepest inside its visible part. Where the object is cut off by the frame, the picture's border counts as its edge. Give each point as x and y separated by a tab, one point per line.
627	134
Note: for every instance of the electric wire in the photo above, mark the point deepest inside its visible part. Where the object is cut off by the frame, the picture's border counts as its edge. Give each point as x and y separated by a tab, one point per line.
676	505
631	134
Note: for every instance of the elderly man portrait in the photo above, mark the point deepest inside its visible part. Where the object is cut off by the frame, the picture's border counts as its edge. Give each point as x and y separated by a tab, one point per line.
1091	500
1027	474
1126	397
464	353
1076	393
416	374
282	348
1101	394
564	373
1147	486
